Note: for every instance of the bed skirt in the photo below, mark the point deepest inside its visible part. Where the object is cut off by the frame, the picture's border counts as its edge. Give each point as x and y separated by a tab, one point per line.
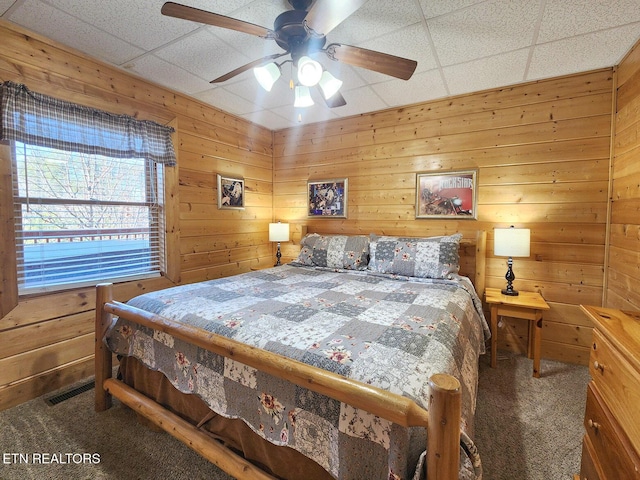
279	461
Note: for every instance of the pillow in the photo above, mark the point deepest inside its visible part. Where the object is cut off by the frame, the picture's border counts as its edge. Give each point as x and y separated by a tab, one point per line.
335	251
432	257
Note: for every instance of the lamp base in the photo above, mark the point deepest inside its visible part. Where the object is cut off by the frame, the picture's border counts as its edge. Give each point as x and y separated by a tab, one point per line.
509	277
278	256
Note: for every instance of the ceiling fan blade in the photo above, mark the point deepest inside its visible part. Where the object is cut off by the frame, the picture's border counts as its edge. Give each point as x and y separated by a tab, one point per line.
380	62
172	9
326	15
248	66
335	100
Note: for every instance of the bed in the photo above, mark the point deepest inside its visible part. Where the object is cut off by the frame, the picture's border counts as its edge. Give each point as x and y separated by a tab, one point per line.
357	360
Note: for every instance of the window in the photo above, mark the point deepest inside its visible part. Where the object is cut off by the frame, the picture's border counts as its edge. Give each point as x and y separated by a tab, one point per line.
87	193
82	218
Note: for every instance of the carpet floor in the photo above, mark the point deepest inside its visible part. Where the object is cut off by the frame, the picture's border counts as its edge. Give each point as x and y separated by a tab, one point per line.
526	428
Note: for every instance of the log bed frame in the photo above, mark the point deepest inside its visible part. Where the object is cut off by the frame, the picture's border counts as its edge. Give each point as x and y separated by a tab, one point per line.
442	420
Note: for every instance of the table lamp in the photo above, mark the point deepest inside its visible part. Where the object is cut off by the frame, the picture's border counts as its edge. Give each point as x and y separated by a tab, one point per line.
511	242
278	232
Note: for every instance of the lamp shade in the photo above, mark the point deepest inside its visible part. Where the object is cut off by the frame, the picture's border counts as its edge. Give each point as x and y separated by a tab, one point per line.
278	232
303	97
309	71
329	85
511	242
267	75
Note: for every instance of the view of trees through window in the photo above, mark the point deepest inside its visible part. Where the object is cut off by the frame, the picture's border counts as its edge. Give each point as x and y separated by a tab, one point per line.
82	217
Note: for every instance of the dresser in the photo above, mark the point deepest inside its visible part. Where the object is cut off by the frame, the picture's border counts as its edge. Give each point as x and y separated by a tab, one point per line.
611	445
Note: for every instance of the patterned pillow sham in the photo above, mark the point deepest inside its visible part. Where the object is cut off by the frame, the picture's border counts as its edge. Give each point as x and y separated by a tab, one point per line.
431	257
335	251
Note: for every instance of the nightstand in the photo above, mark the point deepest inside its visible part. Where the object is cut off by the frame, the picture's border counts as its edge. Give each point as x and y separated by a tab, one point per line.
527	306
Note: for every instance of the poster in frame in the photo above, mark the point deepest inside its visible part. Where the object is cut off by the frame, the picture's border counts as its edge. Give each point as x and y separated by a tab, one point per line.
447	195
327	198
230	193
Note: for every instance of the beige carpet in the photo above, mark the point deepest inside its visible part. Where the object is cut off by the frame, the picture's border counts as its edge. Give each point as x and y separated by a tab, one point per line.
530	428
526	428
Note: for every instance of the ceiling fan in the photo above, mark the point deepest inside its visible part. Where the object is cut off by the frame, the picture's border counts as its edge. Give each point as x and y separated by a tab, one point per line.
301	33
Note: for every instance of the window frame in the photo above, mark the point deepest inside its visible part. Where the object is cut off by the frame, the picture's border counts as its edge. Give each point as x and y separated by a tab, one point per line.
153	181
170	260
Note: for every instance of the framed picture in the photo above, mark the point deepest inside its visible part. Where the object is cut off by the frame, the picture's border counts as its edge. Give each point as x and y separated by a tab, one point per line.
230	193
327	198
446	195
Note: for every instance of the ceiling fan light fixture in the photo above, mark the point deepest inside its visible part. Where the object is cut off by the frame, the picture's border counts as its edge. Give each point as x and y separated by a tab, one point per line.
302	97
267	75
309	71
329	85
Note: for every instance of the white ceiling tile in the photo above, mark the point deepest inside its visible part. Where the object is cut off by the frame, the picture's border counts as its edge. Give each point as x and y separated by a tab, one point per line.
167	74
273	120
582	53
375	18
226	101
421	87
411	42
567	18
261	12
497	71
203	54
222	7
319	112
249	45
70	31
360	100
434	9
483	30
139	23
5	5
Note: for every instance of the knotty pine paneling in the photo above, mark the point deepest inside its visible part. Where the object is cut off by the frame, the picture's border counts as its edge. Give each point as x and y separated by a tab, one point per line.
49	337
542	151
623	272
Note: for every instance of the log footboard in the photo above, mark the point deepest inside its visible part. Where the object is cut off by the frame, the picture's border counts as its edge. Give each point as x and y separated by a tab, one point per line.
442	421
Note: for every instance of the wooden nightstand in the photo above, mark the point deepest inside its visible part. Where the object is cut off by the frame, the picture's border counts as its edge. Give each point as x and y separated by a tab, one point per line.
528	306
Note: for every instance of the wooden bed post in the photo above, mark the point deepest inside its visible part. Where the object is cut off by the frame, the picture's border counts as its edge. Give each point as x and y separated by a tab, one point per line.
443	433
103	356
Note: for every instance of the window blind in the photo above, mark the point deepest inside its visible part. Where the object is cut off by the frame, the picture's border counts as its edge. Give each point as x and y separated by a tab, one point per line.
81	219
87	189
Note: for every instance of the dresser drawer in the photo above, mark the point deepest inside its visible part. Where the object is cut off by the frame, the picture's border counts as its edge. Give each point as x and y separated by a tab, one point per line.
615	455
589	467
618	383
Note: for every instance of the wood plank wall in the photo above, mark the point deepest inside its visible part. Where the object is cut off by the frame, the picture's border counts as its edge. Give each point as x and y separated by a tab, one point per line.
542	151
47	340
623	270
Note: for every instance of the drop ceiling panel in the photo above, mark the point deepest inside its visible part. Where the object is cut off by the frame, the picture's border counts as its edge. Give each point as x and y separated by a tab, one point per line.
483	30
64	28
461	46
576	54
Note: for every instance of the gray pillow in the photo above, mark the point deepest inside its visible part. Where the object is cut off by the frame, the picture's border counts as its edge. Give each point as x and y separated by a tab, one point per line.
429	257
335	251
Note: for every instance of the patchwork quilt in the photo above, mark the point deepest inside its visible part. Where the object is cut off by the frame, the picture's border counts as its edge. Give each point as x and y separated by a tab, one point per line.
389	331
